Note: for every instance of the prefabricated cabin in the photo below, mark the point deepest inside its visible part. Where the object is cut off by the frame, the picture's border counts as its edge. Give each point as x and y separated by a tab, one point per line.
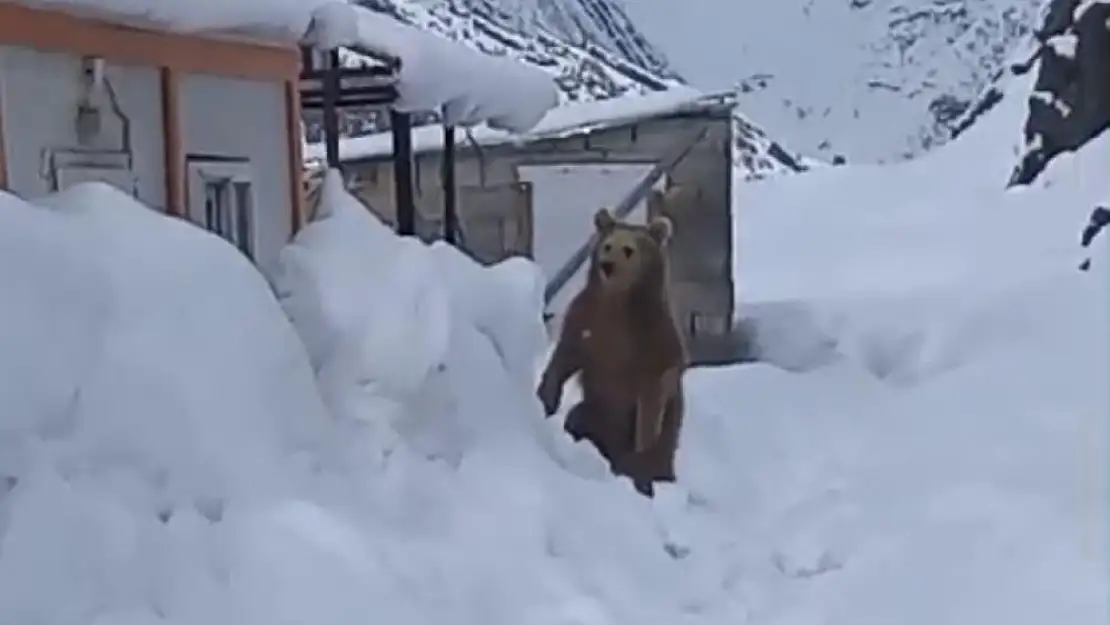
536	197
202	127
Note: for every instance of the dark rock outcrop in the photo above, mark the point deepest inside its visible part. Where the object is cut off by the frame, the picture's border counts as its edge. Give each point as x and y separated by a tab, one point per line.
1099	219
1070	103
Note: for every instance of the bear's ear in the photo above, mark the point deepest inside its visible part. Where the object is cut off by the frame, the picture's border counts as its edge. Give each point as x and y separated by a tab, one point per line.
604	220
660	228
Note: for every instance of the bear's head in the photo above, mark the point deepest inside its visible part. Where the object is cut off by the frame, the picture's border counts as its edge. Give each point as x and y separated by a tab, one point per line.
629	256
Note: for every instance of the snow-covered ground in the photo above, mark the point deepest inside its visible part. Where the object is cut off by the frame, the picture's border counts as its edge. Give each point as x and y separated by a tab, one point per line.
183	443
928	441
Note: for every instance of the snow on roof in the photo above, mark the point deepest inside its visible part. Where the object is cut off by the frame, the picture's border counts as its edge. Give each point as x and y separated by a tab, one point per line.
564	120
468	86
281	20
437	74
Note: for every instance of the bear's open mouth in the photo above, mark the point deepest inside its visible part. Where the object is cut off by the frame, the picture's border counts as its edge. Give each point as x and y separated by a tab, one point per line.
606	268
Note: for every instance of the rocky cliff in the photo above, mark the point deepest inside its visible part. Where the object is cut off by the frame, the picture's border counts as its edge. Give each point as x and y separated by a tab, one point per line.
1070	104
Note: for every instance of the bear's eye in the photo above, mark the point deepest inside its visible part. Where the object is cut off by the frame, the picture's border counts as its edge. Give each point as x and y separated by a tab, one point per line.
608	247
627	251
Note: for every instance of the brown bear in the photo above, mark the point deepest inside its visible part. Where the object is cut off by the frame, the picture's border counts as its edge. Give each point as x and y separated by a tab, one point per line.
619	335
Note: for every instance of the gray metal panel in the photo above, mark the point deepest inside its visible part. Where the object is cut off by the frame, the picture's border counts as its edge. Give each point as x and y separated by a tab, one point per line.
496	222
40	91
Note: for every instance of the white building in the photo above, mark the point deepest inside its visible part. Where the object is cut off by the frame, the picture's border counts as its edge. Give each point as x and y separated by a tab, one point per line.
194	107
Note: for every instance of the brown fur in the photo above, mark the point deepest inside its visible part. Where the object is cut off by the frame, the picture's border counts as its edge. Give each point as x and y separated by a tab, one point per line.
619	336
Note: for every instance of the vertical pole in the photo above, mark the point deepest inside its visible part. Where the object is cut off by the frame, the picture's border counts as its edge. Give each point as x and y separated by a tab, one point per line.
173	146
331	113
401	129
450	215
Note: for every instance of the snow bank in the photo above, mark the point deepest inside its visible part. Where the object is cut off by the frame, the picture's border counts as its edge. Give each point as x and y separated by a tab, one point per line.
344	247
482	510
968	493
452	340
578	117
151	386
931	223
166	457
431	290
923	443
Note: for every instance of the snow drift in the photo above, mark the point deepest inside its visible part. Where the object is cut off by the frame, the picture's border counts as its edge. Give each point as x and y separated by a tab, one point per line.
381	314
932	455
471	487
180	446
151	387
168	458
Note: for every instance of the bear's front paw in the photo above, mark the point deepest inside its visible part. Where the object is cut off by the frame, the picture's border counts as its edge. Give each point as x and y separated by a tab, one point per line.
550	396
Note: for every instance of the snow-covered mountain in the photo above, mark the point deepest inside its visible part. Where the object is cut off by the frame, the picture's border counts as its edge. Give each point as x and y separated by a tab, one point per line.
583	72
583	23
867	79
1057	74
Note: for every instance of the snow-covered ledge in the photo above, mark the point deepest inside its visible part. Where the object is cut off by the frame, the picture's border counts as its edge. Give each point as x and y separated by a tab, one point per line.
439	74
278	21
568	118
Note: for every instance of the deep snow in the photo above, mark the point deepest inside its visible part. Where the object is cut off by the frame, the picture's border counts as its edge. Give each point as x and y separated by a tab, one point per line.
930	428
926	443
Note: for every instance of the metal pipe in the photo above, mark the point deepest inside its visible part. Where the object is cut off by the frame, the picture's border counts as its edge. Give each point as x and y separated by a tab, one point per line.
450	215
401	129
331	114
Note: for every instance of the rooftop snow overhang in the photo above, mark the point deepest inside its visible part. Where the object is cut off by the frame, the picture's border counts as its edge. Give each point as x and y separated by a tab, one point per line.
569	120
277	22
436	73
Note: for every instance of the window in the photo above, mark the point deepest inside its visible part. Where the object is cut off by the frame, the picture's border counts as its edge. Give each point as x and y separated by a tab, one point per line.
221	200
